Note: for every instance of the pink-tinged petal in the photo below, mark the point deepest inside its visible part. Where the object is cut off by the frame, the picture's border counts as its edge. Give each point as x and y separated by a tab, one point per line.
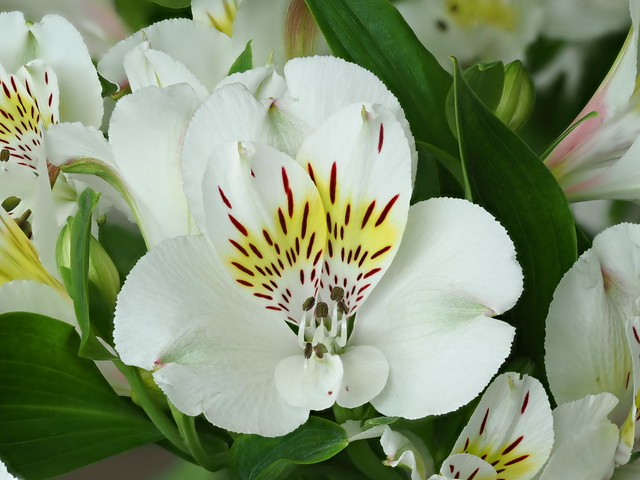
585	440
365	374
148	67
61	47
266	220
146	134
212	349
204	51
429	315
467	467
359	159
231	113
587	351
511	428
311	383
320	86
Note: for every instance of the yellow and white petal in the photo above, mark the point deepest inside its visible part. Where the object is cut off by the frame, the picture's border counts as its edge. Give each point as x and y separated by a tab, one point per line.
360	161
586	345
204	51
62	49
630	430
231	113
266	220
429	315
217	13
511	428
586	440
146	67
146	133
320	86
467	467
212	350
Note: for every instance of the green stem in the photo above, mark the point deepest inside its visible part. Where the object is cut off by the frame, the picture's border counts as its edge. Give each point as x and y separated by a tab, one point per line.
153	411
187	428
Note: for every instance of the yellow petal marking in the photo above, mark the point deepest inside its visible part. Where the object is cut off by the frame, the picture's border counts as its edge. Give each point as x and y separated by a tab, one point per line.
494	13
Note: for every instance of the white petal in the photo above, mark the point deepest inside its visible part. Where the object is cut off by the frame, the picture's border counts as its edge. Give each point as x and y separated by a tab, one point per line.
360	161
511	428
62	48
320	86
365	373
69	141
464	465
146	133
213	350
265	217
35	297
262	82
311	383
579	20
204	51
15	39
231	113
630	471
429	315
146	67
586	344
401	451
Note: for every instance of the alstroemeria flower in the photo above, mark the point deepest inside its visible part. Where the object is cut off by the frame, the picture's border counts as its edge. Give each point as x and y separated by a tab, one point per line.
46	76
291	302
473	31
598	158
593	330
509	435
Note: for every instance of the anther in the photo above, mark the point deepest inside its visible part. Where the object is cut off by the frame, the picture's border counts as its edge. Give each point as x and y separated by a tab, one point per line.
10	203
320	349
307	350
23	218
5	155
322	311
308	304
337	294
342	307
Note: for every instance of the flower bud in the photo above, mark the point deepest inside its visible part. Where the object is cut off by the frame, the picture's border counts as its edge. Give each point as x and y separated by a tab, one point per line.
102	272
518	96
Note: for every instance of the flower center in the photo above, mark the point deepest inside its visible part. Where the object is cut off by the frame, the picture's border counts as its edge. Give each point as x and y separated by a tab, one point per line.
323	327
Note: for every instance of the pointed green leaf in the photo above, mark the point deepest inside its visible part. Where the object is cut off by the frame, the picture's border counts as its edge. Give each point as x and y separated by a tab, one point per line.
244	61
259	458
57	412
511	182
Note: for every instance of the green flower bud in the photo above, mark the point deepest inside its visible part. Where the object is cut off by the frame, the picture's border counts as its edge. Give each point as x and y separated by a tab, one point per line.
518	96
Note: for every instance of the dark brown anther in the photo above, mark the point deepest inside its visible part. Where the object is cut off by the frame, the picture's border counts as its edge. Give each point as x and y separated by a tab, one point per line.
342	307
307	350
5	155
10	203
23	218
322	311
320	350
337	294
308	304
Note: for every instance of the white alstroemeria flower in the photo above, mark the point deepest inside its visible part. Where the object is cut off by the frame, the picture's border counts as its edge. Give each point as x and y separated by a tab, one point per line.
509	435
580	20
146	132
279	29
593	330
597	159
585	440
96	20
473	31
46	76
290	302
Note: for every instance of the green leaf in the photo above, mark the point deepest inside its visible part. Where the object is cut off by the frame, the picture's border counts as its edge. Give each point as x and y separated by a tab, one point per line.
511	182
76	278
173	3
57	412
254	457
372	33
244	61
124	245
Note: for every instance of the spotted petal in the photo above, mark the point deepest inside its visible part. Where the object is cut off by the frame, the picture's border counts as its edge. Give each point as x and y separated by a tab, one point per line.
511	428
429	315
466	467
587	351
266	220
212	349
359	160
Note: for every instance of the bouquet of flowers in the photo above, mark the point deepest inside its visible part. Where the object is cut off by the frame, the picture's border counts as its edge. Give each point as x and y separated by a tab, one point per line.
321	239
